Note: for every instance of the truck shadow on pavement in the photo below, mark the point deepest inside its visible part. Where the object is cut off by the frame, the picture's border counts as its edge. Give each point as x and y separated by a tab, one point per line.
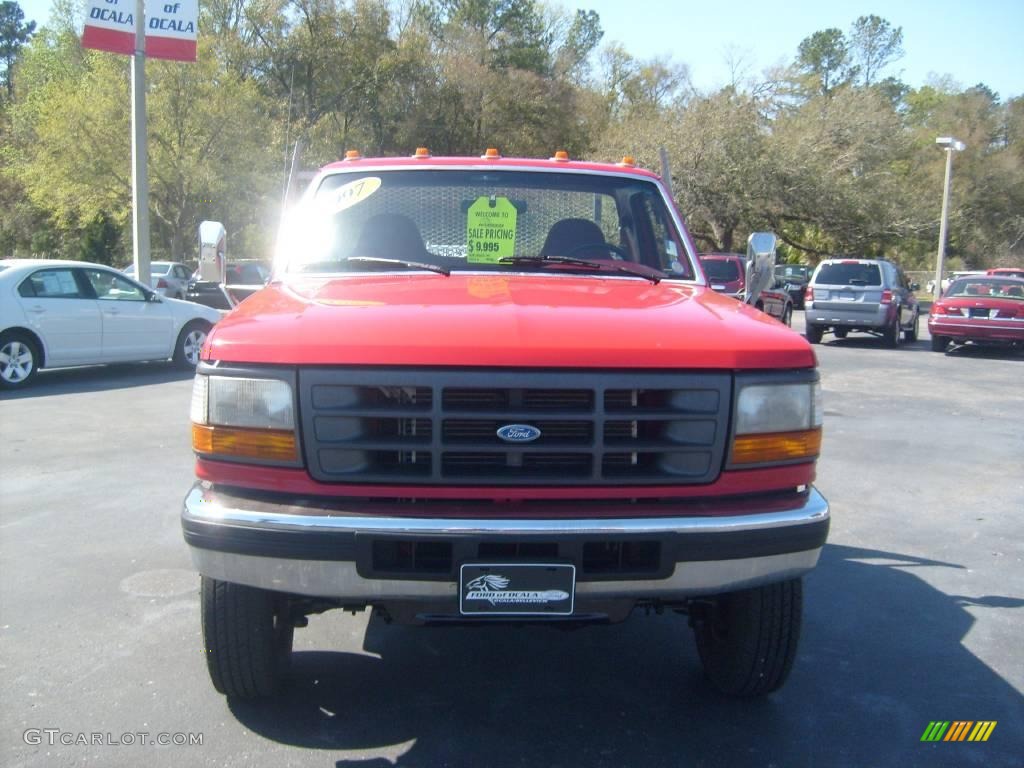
98	378
882	654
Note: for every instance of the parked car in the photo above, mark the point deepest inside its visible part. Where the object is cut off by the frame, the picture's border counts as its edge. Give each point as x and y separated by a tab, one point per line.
866	295
241	280
485	390
794	278
726	274
61	313
1007	272
983	309
956	275
244	278
168	278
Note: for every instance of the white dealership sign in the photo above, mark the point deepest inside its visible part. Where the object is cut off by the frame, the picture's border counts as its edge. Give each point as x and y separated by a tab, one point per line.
171	28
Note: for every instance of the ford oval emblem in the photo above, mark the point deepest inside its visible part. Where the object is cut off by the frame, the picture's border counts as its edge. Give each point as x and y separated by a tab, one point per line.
518	433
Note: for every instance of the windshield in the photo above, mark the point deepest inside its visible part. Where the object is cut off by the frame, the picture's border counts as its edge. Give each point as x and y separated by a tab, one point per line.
790	270
1000	289
854	273
482	221
721	270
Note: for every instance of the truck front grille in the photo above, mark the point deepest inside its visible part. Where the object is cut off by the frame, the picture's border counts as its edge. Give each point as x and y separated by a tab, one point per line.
442	426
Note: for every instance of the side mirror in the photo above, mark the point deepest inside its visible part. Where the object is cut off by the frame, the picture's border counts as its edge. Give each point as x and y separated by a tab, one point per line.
915	286
760	264
153	297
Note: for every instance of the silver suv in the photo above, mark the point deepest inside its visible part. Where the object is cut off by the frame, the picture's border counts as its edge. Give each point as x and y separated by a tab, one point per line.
870	295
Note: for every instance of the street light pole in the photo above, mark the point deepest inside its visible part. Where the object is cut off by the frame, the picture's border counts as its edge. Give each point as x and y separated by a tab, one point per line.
951	145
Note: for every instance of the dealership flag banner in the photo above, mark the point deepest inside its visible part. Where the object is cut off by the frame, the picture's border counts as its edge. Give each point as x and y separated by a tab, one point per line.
170	28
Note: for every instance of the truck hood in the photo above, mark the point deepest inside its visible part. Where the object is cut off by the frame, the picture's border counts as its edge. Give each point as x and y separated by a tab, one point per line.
516	320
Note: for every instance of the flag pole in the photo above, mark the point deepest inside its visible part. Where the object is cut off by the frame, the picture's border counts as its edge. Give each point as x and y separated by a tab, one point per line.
140	179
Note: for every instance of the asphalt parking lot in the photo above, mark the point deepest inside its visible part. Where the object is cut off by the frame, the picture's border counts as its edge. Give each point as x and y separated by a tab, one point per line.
915	613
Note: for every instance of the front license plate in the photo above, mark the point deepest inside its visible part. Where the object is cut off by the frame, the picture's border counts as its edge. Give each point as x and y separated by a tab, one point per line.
517	589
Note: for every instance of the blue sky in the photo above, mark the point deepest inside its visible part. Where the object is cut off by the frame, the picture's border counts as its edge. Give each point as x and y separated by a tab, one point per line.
972	42
979	41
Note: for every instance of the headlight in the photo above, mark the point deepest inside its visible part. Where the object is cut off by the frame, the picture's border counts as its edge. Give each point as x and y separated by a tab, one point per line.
243	418
777	423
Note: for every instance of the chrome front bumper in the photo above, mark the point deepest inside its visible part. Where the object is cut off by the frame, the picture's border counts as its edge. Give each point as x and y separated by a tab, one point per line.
257	542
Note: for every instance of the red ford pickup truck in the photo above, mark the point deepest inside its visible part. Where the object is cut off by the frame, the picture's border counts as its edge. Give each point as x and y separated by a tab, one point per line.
492	389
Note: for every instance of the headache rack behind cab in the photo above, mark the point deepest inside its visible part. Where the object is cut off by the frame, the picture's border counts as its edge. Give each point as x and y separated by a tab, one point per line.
434	427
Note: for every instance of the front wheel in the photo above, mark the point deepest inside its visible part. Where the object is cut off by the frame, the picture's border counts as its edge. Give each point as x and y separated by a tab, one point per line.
247	633
19	360
190	343
747	640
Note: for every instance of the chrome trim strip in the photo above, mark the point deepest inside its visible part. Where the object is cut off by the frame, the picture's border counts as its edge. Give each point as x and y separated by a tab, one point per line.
318	578
206	505
991	326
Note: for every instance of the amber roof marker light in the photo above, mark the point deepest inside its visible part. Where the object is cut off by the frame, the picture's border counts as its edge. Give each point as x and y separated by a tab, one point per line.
353	154
627	162
422	153
491	154
561	156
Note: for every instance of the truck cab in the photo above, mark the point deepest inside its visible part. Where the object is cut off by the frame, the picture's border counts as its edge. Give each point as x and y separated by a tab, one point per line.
487	389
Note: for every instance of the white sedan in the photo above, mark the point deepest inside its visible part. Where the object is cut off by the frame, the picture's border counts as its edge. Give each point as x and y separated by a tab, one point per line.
60	313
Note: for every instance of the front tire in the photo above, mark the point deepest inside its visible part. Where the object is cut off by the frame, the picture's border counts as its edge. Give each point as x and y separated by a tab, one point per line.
247	635
190	343
747	640
19	360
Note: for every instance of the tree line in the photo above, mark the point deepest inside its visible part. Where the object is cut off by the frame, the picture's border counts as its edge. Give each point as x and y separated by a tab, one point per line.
830	151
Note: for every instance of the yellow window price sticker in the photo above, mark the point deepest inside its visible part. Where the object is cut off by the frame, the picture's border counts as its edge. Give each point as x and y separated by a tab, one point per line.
490	230
354	192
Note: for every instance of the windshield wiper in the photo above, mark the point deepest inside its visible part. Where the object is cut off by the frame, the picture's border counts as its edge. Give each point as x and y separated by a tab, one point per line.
399	262
626	268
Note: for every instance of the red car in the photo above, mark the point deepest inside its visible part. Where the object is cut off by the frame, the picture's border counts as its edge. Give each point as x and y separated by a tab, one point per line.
726	274
983	309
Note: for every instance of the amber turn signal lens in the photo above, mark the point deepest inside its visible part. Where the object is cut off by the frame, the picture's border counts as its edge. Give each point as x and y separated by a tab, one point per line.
267	444
776	446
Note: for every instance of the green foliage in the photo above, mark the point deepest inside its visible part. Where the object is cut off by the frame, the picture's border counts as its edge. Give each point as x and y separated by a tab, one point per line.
874	44
14	33
824	60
